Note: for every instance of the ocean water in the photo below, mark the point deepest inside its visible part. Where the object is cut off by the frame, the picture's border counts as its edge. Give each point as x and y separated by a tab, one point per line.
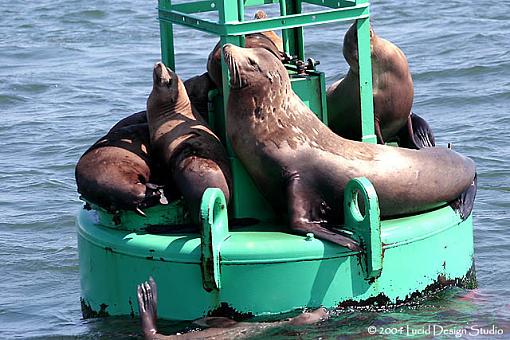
70	69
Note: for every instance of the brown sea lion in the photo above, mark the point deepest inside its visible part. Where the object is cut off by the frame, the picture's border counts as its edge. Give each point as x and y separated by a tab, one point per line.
302	167
136	118
198	88
275	38
215	327
255	40
115	173
393	93
190	152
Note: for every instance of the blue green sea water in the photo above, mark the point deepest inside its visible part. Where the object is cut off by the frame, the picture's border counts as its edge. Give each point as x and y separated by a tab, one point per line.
69	70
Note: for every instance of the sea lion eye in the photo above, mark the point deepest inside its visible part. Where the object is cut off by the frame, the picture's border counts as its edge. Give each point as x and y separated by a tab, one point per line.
252	61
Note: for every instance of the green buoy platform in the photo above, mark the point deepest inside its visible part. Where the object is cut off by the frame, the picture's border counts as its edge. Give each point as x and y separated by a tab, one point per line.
260	268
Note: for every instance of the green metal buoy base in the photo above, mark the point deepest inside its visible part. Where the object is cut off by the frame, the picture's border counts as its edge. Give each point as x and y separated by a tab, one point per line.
262	270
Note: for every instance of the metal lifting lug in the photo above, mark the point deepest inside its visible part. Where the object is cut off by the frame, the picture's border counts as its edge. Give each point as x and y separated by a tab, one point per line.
311	63
301	67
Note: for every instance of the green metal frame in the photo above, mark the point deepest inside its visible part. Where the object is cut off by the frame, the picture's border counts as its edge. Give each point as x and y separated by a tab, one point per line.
231	27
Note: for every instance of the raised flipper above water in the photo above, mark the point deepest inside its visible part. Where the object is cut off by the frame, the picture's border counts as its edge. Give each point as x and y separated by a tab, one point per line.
147	294
416	134
463	205
215	327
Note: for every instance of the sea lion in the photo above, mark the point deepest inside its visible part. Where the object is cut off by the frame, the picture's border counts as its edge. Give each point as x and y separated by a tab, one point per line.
190	152
116	171
255	40
302	167
136	118
275	38
216	327
198	88
393	93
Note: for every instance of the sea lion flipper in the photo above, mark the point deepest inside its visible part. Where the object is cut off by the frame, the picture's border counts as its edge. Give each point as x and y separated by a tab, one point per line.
416	134
463	205
305	218
422	133
154	291
147	308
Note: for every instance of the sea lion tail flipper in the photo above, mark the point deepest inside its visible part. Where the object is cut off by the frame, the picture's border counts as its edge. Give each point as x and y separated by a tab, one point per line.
463	205
147	307
154	194
422	133
416	134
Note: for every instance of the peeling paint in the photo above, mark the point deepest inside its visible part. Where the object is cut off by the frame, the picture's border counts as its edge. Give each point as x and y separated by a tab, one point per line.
383	302
87	311
225	310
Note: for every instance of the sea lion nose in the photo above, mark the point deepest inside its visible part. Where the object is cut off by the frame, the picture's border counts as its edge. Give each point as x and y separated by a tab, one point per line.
227	48
161	72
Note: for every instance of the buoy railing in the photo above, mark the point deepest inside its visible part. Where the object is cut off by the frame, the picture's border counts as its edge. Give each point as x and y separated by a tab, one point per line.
231	28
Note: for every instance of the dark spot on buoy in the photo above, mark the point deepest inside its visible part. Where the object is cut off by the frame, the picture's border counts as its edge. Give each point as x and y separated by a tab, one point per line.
116	219
382	302
132	310
225	310
87	311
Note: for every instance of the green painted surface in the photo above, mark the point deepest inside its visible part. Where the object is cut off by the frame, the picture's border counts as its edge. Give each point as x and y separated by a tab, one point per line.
214	223
365	82
362	218
264	269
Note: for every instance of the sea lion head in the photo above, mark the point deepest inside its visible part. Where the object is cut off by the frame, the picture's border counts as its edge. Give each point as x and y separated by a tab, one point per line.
165	86
254	67
168	90
350	48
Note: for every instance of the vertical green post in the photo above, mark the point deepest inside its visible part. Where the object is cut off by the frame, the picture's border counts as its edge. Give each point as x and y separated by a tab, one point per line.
365	82
228	11
324	102
293	38
167	37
